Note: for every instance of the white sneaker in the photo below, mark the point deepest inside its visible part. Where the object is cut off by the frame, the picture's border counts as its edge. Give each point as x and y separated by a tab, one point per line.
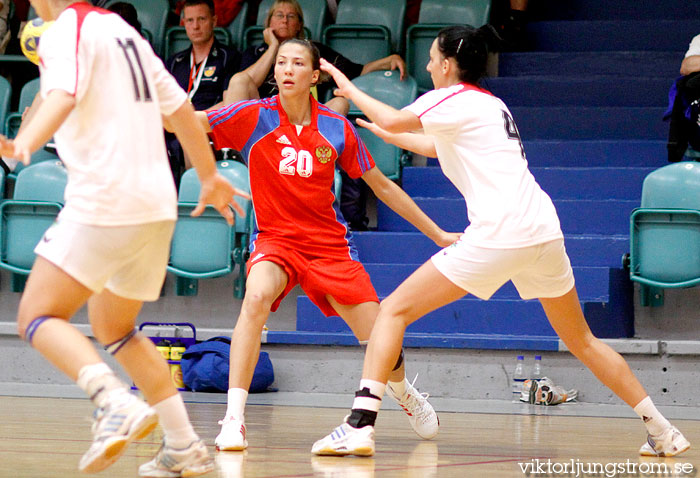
232	435
421	414
124	419
669	443
346	440
174	463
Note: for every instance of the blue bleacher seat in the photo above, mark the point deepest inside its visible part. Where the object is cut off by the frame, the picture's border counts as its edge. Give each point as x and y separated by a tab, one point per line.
433	16
5	96
26	97
219	247
387	87
665	232
153	15
37	200
237	27
366	30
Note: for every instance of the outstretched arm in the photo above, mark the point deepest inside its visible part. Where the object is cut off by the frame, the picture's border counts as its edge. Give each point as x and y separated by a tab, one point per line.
400	202
416	142
387	117
216	190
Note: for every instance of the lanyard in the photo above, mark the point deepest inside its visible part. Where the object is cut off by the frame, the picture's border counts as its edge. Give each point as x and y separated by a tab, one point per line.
195	75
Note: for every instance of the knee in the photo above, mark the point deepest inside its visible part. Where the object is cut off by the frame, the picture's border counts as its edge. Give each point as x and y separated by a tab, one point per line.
256	306
393	312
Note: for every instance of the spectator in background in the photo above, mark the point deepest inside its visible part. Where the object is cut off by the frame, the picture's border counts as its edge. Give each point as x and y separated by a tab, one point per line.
683	111
285	20
4	25
225	10
128	12
203	70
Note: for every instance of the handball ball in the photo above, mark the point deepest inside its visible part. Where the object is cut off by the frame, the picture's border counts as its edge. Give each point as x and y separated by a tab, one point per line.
29	40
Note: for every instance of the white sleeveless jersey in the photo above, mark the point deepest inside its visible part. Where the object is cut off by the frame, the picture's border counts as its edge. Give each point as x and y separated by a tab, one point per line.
480	151
112	142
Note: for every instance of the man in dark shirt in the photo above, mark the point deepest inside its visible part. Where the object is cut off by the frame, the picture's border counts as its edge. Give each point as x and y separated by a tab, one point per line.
203	70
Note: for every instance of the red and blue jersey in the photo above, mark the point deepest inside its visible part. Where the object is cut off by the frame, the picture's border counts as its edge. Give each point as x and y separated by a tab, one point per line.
292	173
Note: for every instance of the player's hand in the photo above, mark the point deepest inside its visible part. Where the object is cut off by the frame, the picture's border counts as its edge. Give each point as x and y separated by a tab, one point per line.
218	192
448	238
378	131
345	86
12	150
397	63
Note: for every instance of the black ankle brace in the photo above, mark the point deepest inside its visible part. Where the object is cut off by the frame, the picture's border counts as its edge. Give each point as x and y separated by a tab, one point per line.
361	418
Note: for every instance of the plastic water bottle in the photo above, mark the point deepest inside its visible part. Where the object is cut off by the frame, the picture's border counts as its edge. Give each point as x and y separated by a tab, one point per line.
537	368
518	378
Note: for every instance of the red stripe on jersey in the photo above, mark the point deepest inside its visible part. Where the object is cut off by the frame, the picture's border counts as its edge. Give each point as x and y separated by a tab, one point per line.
81	11
465	88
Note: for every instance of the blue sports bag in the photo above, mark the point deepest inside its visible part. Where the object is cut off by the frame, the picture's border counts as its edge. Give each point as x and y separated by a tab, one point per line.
205	367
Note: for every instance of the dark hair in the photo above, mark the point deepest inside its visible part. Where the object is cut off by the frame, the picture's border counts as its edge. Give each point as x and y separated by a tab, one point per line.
469	47
128	12
208	3
313	51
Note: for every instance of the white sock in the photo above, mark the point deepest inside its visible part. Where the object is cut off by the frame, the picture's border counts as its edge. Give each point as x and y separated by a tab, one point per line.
655	422
175	422
368	403
97	380
399	388
236	403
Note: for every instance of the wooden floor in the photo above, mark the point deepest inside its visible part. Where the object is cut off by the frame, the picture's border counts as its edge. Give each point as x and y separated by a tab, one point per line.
45	438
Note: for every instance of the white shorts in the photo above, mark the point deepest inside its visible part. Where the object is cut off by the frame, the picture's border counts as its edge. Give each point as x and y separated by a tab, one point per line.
129	261
542	270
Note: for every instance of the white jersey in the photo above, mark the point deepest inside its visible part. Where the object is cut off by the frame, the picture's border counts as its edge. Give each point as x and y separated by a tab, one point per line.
112	142
480	151
694	47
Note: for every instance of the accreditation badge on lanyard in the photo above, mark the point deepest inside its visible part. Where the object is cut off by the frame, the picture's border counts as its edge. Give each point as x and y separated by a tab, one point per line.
196	73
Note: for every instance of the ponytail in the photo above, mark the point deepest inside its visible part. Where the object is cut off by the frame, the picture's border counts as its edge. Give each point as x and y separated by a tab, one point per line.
469	47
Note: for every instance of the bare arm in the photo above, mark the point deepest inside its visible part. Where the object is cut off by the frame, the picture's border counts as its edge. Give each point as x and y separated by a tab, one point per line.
42	121
216	190
258	70
690	65
416	142
387	117
391	62
400	202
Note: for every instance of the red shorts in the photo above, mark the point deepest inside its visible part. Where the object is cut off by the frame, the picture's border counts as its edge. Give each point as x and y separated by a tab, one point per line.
340	277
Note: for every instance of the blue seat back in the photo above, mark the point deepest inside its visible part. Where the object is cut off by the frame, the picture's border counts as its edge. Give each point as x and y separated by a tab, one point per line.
203	246
455	12
676	186
237	27
44	181
37	200
387	87
419	39
5	96
316	16
153	15
388	13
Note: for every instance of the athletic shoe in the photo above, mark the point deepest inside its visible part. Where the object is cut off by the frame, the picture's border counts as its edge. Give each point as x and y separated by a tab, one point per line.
544	392
346	440
421	414
124	419
174	463
232	435
669	443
